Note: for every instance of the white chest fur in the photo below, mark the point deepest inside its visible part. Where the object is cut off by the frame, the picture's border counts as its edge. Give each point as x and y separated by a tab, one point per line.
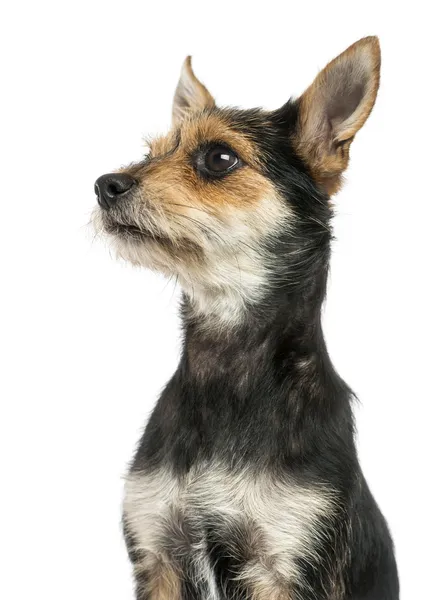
286	518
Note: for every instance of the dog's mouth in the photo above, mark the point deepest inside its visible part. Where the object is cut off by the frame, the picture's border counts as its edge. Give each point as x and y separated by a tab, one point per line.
135	235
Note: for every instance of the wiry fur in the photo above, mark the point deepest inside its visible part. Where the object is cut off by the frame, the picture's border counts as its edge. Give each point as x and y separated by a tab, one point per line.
214	500
246	483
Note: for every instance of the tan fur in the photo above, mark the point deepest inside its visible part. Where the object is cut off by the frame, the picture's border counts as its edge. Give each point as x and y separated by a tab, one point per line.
246	186
204	127
164	582
325	139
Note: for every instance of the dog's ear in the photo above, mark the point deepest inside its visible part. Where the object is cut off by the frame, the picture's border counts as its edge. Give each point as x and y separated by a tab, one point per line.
334	108
190	95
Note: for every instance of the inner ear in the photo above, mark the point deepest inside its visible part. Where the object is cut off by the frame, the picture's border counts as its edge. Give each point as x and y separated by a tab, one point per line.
345	104
191	95
335	107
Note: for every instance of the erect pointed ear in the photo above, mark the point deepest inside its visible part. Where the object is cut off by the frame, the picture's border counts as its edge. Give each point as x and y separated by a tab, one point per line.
191	95
335	107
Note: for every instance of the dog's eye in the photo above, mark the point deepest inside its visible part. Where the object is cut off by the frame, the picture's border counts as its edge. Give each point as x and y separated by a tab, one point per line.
220	159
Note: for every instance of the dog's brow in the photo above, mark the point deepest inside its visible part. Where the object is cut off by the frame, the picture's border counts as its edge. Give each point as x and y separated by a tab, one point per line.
177	140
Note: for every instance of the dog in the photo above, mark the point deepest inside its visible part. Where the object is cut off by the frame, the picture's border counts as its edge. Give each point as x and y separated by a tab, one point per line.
246	483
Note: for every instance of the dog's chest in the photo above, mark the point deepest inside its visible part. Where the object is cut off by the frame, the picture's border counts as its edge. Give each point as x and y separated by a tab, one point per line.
267	519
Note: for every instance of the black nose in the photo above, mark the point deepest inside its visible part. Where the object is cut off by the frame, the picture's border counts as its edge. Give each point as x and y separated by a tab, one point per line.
112	187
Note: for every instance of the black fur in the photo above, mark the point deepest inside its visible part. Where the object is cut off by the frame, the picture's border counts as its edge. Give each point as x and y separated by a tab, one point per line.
266	393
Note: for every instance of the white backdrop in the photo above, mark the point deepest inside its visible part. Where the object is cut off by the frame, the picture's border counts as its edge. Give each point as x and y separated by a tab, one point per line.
87	343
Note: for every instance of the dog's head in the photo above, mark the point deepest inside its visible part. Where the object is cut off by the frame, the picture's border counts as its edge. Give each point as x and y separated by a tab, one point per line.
235	203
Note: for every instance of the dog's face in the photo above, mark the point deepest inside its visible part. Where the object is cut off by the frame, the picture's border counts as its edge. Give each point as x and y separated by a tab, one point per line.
230	201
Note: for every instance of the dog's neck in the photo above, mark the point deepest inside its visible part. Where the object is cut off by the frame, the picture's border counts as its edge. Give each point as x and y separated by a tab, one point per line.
285	326
263	392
